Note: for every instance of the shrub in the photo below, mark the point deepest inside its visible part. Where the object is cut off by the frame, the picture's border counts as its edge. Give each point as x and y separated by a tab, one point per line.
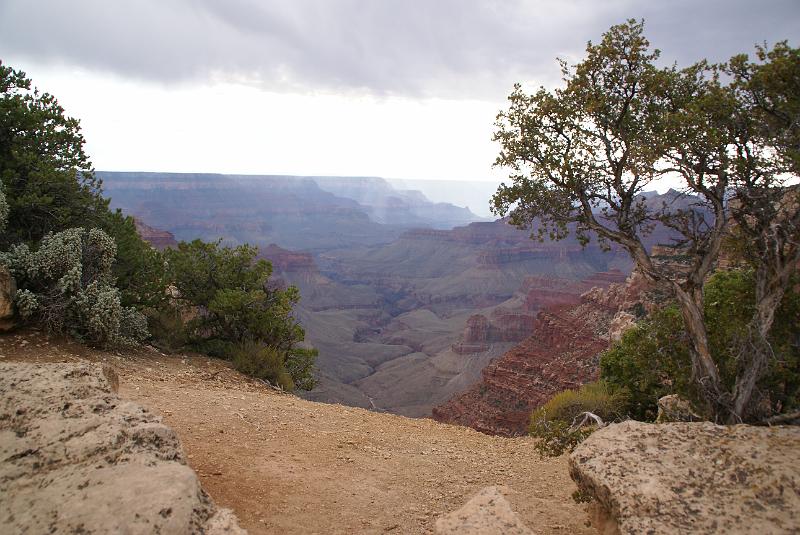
66	285
238	306
139	270
167	327
300	365
553	422
652	359
262	362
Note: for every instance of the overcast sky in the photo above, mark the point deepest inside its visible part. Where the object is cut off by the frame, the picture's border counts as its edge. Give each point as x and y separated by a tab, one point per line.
394	88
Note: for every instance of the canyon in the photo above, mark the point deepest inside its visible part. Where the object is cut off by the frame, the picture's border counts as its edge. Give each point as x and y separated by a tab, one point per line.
561	354
413	310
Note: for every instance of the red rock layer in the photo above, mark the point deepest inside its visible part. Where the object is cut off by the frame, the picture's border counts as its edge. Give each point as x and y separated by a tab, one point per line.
286	261
159	239
561	354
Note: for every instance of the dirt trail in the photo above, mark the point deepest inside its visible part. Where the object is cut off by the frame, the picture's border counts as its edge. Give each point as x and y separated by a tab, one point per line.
286	465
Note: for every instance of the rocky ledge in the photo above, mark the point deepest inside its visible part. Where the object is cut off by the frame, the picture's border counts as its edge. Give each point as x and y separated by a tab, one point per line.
691	478
75	458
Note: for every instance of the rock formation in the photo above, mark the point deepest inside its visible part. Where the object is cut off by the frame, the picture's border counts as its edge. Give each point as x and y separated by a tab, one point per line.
8	288
673	408
78	459
160	239
561	353
286	261
485	513
691	478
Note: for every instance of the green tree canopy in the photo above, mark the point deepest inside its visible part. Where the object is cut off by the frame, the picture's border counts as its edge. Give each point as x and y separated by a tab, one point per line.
582	156
653	359
237	306
47	177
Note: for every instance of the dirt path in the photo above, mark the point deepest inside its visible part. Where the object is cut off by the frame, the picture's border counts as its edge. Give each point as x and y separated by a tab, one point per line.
286	465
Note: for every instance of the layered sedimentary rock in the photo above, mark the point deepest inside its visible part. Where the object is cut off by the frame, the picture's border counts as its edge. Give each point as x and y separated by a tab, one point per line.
160	239
691	478
561	354
75	458
298	212
286	261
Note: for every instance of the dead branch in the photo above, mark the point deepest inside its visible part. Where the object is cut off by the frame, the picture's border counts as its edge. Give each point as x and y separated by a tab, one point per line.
792	418
586	417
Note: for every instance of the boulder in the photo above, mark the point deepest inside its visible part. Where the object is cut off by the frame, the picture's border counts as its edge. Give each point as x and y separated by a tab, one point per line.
8	288
691	478
488	512
673	408
620	324
75	458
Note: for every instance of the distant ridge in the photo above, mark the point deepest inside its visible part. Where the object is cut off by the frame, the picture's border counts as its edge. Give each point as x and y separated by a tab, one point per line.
296	212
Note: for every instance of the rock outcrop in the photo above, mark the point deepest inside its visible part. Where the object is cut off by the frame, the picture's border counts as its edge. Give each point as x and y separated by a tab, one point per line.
159	239
78	459
691	478
562	353
673	408
486	512
286	261
8	288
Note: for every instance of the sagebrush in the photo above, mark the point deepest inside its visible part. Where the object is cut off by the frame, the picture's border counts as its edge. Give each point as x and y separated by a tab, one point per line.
66	285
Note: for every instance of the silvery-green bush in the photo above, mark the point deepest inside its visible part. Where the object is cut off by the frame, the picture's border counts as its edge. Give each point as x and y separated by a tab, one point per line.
66	285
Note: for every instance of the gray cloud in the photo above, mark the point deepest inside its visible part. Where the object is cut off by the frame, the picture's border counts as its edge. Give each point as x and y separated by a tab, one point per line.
448	48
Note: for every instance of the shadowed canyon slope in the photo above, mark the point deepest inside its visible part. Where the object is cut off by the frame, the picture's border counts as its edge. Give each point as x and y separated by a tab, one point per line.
404	326
562	353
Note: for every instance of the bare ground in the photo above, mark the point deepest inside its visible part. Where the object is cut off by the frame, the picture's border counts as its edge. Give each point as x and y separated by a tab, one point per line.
286	465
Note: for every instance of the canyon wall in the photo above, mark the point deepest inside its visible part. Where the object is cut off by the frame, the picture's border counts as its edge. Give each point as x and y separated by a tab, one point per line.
562	353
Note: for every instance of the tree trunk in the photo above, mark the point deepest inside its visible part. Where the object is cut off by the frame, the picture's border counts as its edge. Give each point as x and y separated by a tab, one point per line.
705	370
757	352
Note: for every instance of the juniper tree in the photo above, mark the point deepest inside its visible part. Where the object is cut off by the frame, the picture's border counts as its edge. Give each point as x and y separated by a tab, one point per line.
582	156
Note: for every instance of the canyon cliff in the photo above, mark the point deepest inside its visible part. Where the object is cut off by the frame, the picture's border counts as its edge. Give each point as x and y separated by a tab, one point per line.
562	353
160	239
295	212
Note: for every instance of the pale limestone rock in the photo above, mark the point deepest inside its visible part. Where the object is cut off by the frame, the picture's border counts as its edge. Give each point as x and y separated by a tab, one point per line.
75	458
620	324
487	513
8	288
691	478
673	408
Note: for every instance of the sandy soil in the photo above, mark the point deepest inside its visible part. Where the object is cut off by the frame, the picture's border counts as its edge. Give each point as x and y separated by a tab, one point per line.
286	465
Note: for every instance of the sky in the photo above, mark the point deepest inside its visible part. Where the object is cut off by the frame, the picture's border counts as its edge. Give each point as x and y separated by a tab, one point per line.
394	88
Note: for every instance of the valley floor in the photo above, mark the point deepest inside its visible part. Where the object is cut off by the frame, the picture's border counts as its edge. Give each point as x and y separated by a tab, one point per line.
286	465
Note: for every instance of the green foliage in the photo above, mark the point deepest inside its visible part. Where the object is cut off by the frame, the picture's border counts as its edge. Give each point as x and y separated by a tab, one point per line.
770	87
237	305
262	362
582	156
653	360
3	210
168	327
139	270
598	398
67	275
300	365
48	179
66	285
553	422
